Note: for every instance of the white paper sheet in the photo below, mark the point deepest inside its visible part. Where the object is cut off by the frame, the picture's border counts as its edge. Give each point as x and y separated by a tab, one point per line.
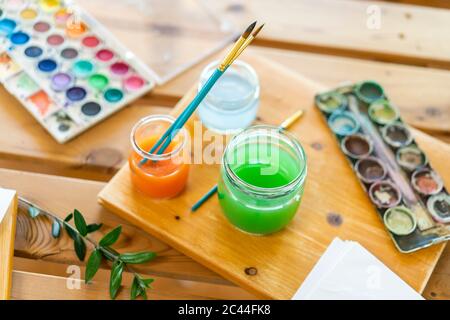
6	197
348	271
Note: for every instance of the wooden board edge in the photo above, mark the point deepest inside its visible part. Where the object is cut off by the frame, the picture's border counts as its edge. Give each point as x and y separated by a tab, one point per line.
7	234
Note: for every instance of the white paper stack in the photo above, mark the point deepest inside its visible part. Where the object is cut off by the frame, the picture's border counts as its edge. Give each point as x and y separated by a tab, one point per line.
347	271
6	197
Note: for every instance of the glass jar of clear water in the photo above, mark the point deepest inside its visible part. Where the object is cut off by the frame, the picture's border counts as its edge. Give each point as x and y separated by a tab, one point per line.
233	102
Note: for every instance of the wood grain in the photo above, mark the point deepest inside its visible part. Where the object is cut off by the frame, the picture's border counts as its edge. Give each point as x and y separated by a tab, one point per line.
339	27
284	259
28	284
420	93
7	232
60	196
24	144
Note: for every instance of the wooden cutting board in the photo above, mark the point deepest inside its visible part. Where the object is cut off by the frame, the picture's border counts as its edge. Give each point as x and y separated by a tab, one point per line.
8	209
334	204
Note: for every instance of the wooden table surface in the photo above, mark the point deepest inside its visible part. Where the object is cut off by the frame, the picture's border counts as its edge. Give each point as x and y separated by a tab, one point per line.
325	40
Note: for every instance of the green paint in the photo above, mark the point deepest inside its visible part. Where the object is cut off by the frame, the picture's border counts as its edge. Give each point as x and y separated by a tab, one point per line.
83	68
382	112
26	84
400	221
329	102
98	81
267	166
369	91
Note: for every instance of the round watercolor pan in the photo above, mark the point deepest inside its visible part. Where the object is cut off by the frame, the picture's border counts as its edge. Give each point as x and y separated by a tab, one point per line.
90	41
98	81
83	68
14	5
427	182
41	26
385	194
396	135
439	207
357	146
61	17
400	221
383	112
61	81
343	123
330	102
370	169
104	55
33	51
119	68
28	14
75	29
91	109
369	91
69	53
133	83
411	158
113	95
19	38
50	6
47	65
7	26
55	39
76	94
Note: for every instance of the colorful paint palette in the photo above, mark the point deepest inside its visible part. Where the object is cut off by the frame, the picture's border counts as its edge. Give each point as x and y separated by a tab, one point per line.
407	193
64	67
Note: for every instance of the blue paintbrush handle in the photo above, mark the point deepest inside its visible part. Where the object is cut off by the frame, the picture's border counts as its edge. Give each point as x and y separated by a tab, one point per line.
185	115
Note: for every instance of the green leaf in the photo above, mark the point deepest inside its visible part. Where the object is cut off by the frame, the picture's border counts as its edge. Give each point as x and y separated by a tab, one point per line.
69	217
33	212
70	232
135	289
56	229
80	223
92	265
80	247
111	237
147	282
116	278
93	227
138	257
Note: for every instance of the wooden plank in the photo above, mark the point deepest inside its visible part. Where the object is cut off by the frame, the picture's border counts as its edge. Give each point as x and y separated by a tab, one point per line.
96	154
100	152
60	196
420	93
28	284
445	4
8	213
282	260
339	27
438	288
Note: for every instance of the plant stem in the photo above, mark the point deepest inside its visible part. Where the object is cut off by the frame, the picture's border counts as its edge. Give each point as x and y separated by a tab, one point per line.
107	251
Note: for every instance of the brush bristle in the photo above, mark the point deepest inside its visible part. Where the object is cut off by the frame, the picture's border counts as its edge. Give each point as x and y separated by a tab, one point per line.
255	33
249	30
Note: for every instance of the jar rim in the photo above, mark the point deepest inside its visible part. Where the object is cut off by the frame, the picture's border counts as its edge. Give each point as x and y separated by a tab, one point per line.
164	156
262	191
212	66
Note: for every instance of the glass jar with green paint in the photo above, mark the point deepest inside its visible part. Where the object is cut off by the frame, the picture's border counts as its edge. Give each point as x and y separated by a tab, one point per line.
262	179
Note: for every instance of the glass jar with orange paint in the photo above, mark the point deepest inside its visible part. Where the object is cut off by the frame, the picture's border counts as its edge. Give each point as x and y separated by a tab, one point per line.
158	176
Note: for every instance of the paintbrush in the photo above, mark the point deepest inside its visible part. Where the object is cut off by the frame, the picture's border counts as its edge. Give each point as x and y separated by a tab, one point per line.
232	55
284	125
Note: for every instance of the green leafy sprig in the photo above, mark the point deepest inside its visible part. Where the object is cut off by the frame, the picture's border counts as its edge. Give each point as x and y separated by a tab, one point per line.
102	250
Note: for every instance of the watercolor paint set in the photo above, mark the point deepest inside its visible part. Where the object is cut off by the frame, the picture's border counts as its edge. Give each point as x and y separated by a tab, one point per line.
408	194
65	67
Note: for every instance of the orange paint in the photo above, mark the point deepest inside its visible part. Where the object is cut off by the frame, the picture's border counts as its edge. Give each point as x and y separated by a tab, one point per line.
75	28
162	178
41	101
